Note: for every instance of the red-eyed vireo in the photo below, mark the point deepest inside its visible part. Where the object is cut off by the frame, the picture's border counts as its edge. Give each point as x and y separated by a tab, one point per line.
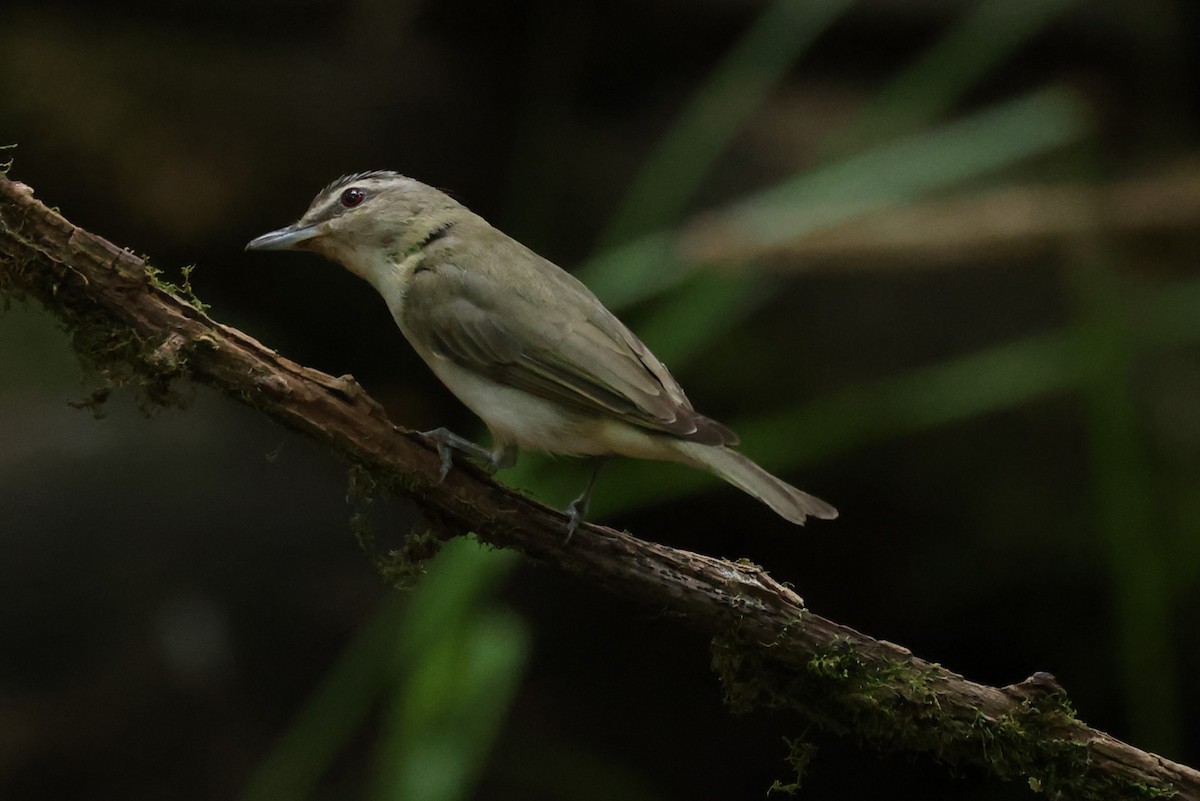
523	344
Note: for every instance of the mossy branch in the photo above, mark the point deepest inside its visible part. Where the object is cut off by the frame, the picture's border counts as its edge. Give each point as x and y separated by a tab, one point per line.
767	647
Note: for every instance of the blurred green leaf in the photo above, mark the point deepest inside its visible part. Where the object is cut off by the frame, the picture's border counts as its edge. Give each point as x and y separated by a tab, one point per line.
446	716
987	33
405	644
889	175
903	170
720	108
1125	502
333	713
702	311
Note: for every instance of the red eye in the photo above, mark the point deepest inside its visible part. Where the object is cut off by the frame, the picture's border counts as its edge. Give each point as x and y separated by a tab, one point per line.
353	196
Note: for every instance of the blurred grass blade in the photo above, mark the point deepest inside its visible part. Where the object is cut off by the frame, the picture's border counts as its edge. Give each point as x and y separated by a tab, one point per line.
463	574
720	108
1125	500
447	714
634	272
982	38
889	175
461	665
459	577
333	714
903	170
704	310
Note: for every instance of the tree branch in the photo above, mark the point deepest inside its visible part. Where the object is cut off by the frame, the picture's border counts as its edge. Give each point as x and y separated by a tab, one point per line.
768	648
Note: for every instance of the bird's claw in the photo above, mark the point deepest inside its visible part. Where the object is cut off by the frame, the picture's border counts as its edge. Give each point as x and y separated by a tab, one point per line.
447	442
444	453
578	508
574	518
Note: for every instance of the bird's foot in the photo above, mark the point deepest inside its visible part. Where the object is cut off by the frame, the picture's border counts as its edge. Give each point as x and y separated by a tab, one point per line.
447	442
577	510
576	513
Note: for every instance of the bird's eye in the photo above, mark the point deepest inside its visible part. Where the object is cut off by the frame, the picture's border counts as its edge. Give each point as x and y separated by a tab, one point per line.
353	196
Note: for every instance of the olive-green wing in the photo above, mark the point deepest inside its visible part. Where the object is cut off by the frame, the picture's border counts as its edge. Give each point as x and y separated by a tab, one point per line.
552	338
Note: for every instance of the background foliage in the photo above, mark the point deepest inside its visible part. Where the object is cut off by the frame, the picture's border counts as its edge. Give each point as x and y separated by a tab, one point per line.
935	261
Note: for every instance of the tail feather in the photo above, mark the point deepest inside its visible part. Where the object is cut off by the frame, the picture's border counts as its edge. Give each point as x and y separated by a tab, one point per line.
788	502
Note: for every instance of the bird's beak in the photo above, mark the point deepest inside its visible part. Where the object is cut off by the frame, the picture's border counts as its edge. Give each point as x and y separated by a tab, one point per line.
285	238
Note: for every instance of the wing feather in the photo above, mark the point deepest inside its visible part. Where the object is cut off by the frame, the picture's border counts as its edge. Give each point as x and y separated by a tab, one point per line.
580	356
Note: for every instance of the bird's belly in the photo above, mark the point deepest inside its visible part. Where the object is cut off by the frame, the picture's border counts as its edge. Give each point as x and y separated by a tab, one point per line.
512	415
533	423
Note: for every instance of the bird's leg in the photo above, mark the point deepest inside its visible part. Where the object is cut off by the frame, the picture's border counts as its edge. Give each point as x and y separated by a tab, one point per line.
447	442
579	506
504	457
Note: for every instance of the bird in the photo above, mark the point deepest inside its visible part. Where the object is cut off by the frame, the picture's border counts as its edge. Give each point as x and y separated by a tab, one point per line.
522	343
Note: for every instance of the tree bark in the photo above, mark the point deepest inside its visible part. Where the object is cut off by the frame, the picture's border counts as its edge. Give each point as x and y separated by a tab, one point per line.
768	648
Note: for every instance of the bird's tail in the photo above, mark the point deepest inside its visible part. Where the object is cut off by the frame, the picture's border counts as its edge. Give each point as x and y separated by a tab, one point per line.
788	502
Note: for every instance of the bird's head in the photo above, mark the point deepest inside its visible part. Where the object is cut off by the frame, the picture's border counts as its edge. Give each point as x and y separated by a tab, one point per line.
366	220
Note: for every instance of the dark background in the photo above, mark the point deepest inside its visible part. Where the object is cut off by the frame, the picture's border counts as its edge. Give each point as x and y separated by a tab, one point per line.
1009	426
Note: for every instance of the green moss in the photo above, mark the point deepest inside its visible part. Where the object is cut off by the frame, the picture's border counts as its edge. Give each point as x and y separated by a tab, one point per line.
94	401
183	290
1148	791
362	486
112	354
363	529
838	662
898	707
800	755
116	357
401	566
156	279
361	489
13	277
189	294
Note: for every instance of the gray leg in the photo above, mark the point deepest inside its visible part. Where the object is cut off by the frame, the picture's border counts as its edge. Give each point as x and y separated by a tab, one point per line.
578	508
505	457
447	442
